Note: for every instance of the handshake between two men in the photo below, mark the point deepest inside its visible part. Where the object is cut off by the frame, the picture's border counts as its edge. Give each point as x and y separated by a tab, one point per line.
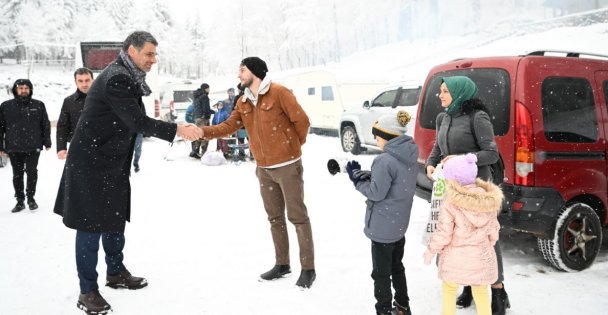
189	132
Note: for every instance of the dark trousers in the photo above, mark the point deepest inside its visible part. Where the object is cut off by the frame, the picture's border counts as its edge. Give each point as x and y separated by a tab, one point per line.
386	259
200	146
87	246
24	162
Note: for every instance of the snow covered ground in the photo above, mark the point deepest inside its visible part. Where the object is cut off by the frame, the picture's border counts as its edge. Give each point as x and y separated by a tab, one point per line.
200	235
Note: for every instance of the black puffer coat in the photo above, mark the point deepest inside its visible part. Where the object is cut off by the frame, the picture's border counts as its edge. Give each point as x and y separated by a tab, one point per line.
24	123
95	192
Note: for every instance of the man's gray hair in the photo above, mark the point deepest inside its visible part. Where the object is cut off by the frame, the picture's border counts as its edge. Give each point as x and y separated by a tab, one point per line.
138	39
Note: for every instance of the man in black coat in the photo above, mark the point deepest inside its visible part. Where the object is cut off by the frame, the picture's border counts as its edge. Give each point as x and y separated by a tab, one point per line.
71	109
202	113
94	195
24	130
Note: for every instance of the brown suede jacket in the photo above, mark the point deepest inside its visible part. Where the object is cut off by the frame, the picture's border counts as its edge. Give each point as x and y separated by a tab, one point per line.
277	126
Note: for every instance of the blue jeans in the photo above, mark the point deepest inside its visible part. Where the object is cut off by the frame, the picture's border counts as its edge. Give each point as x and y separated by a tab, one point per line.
87	247
137	152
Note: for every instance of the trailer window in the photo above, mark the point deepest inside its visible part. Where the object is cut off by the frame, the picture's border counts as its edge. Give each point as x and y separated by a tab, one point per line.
327	93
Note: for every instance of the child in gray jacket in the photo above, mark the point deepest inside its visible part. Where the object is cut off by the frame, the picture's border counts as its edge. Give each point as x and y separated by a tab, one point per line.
389	189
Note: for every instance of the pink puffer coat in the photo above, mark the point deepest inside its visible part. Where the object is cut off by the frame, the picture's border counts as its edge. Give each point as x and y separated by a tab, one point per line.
466	233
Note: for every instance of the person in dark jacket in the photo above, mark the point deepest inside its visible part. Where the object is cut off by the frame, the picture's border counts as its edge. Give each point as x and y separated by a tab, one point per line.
24	129
202	113
389	189
71	109
94	195
458	96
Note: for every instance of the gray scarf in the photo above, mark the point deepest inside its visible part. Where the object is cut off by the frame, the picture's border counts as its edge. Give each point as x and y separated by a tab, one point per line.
138	75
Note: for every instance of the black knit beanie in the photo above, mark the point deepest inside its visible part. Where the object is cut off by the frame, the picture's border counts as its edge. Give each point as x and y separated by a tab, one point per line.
256	65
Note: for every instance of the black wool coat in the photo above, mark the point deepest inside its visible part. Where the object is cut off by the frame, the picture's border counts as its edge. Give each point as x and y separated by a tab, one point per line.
95	192
68	118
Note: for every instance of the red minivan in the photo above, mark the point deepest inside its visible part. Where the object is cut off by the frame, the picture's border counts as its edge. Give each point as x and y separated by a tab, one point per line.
551	127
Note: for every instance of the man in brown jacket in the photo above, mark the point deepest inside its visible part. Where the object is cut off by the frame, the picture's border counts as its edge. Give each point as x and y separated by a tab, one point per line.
277	127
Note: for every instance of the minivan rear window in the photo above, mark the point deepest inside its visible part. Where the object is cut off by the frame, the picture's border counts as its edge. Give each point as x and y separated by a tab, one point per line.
494	90
563	99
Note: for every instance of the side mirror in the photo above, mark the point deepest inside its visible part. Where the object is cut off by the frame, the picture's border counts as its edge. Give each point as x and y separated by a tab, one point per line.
366	104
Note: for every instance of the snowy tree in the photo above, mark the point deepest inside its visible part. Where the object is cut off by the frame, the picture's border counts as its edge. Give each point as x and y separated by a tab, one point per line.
123	14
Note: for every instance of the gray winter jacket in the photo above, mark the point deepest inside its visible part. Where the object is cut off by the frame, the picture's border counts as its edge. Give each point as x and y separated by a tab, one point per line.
454	137
390	191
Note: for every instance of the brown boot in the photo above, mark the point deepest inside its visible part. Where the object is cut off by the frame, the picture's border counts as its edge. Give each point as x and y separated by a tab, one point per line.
93	303
125	280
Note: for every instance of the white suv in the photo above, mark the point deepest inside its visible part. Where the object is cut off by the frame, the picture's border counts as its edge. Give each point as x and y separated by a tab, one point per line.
356	123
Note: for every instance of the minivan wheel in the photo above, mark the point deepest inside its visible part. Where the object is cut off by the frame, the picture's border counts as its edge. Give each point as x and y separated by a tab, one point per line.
577	239
350	140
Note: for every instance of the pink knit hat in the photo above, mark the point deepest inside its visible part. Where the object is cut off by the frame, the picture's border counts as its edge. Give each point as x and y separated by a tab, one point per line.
461	168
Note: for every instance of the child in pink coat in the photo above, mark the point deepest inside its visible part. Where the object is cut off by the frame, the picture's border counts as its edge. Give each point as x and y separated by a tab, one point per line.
467	230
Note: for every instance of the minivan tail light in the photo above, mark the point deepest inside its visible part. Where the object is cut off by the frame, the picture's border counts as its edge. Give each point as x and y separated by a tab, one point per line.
524	146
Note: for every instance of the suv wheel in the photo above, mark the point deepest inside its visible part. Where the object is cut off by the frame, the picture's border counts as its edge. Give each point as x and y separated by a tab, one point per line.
577	239
350	140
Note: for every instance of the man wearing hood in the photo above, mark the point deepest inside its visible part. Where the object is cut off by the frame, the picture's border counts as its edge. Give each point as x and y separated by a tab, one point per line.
24	130
71	109
277	127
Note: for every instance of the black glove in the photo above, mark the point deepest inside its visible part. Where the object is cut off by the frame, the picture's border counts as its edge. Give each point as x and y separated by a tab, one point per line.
363	175
351	167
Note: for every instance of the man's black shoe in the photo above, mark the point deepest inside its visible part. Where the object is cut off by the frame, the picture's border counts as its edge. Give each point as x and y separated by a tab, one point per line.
125	280
93	303
307	277
277	272
31	203
18	207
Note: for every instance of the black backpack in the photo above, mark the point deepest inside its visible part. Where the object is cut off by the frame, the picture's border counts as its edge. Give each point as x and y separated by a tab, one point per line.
497	168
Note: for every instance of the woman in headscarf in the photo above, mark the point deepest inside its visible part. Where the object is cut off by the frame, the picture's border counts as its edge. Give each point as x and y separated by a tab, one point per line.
456	135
